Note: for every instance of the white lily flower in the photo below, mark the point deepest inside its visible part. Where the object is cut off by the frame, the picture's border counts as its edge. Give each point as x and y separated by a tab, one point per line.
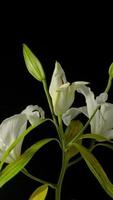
61	91
13	126
102	122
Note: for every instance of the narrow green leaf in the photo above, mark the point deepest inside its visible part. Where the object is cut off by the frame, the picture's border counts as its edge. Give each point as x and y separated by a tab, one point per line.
16	166
109	146
93	136
20	137
96	169
40	193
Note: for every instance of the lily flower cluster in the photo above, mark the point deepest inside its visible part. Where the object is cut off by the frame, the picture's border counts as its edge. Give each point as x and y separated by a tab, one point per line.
60	96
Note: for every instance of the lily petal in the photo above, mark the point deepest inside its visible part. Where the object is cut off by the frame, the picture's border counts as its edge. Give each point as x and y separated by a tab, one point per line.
91	106
34	113
72	113
107	116
90	100
65	98
10	129
58	78
61	91
108	134
13	126
102	98
65	95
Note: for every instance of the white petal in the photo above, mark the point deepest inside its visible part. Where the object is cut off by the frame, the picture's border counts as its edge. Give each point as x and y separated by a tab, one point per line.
65	96
64	99
90	100
58	78
34	113
79	84
91	106
102	98
108	134
72	113
63	87
107	115
10	129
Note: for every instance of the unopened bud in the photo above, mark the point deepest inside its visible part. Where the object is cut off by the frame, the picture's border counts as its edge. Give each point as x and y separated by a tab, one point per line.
33	64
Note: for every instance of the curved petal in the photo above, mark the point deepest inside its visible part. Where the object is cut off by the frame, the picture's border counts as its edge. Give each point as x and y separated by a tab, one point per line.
72	113
102	98
107	116
58	78
78	84
90	100
34	113
91	106
65	98
10	129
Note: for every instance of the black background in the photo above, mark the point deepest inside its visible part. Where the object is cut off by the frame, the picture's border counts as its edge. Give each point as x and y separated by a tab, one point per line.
80	37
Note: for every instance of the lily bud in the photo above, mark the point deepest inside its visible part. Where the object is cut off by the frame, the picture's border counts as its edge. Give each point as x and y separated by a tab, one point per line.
33	64
111	70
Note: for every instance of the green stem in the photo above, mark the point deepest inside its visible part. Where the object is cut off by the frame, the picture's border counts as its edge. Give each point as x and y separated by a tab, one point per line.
49	100
24	171
60	122
61	137
108	85
61	177
74	162
64	161
60	131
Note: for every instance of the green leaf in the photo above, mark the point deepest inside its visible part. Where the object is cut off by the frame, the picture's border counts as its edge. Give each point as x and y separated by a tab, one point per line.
109	146
96	169
16	166
72	130
40	193
20	137
93	136
33	64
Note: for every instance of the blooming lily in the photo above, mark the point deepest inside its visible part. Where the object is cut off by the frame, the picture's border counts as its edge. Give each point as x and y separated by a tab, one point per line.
13	126
61	91
102	122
